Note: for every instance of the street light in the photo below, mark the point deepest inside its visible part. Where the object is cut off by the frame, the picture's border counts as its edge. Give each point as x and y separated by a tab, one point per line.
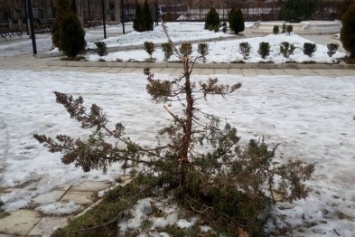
123	16
104	17
32	31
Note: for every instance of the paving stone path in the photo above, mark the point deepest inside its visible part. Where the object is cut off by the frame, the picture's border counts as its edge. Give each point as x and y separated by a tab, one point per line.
30	222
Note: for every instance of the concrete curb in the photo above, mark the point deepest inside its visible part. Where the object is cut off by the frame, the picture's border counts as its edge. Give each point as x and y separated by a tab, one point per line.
61	63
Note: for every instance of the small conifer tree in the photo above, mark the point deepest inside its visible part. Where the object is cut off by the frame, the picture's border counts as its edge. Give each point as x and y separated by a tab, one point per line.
276	30
71	36
143	20
236	21
347	33
186	49
147	17
138	20
309	49
62	9
202	49
244	48
168	50
332	49
212	20
149	48
283	28
264	49
289	29
286	49
221	178
101	48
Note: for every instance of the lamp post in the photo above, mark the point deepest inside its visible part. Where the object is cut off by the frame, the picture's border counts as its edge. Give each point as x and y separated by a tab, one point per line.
32	31
104	17
123	16
156	13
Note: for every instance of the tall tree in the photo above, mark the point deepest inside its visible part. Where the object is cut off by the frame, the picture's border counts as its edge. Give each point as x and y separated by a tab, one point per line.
347	33
147	16
297	10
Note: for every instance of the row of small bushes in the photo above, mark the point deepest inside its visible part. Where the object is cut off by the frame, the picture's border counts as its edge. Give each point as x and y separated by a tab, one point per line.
286	49
185	49
284	29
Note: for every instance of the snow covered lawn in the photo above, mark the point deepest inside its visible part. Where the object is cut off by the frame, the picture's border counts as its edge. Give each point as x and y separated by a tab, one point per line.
313	118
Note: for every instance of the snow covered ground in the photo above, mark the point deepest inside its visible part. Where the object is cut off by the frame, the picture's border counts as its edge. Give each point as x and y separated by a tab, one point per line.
313	118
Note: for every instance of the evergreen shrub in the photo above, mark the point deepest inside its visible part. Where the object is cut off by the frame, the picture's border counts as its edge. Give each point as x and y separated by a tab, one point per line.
71	36
62	9
212	20
185	49
286	49
309	49
149	48
236	21
276	30
289	29
168	50
202	49
244	49
332	49
264	49
101	48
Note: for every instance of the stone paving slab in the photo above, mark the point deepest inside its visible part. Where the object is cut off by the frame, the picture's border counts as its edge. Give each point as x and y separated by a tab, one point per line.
235	72
50	197
249	72
207	72
221	71
19	222
83	198
89	186
264	72
47	226
278	72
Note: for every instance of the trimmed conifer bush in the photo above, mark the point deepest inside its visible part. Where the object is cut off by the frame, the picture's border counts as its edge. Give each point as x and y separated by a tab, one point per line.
236	21
276	30
264	49
202	49
149	48
283	28
186	49
286	49
347	33
212	20
62	9
332	49
244	49
101	48
71	36
289	29
168	50
309	49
